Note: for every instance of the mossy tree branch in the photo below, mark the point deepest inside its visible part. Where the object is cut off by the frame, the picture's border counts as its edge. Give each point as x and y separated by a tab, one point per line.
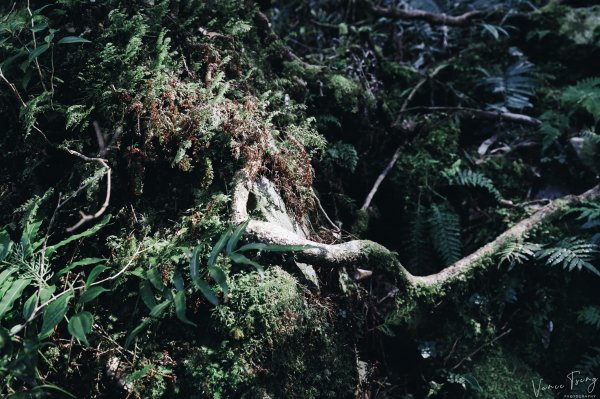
366	254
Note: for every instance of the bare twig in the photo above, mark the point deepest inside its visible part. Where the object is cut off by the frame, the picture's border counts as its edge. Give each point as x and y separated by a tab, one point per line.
476	351
381	177
37	64
318	202
88	217
480	113
432	18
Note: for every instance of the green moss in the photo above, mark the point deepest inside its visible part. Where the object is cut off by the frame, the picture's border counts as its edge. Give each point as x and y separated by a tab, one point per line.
282	339
504	376
582	25
346	92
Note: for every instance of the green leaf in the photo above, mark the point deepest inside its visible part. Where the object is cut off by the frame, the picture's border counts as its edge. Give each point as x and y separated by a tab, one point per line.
4	279
133	334
30	231
218	247
53	314
273	248
5	341
5	245
180	308
91	231
91	294
82	262
136	375
29	305
39	27
238	258
155	279
208	293
94	274
147	294
159	309
72	39
38	51
178	280
14	293
235	237
80	325
46	293
220	278
194	267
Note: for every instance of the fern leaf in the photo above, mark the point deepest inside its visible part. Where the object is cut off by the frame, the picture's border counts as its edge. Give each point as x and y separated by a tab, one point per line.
571	254
590	364
469	178
590	315
585	94
516	252
444	230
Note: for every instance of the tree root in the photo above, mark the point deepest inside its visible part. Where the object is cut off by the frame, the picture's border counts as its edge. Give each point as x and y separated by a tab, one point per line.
366	254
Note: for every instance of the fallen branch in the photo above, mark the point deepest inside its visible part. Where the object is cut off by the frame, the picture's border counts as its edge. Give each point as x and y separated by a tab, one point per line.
89	217
480	113
432	18
396	155
366	254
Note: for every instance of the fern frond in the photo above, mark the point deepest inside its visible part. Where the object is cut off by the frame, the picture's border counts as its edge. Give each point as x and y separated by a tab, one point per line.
588	213
586	94
590	315
516	252
469	178
590	364
571	253
344	155
444	230
419	257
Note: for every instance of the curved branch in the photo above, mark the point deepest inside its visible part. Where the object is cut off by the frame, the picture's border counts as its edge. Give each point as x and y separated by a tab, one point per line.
480	113
432	18
364	253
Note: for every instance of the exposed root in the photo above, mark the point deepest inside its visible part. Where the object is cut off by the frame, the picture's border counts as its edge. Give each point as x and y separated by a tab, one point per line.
368	254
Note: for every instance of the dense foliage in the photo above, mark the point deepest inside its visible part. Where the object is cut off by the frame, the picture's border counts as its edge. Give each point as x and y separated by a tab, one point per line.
125	121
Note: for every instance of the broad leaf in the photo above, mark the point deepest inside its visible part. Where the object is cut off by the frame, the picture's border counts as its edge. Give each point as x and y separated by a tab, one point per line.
72	39
159	309
156	279
80	325
218	247
94	274
147	294
219	276
53	314
29	306
208	293
14	293
194	266
91	294
133	334
238	258
178	280
82	262
236	236
91	231
180	308
273	248
38	51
